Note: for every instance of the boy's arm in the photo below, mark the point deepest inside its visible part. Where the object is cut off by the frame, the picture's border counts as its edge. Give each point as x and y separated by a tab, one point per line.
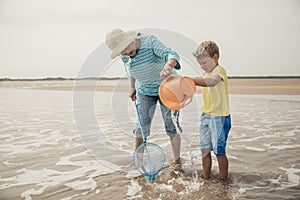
208	82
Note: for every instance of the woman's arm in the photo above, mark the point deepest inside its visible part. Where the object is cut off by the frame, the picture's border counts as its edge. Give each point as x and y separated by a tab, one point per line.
132	92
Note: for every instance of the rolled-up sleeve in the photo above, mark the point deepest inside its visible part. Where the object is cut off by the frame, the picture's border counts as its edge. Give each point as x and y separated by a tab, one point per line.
163	51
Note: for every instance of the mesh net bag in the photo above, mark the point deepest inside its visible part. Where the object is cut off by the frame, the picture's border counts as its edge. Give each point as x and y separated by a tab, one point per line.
149	159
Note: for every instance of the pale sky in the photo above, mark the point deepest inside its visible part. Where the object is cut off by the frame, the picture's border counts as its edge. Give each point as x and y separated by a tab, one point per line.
53	38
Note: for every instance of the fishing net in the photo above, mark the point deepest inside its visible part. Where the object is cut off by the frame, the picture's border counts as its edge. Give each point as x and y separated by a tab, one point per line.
149	159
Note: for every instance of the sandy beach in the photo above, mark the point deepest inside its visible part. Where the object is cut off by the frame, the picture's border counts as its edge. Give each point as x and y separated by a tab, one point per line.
72	140
269	86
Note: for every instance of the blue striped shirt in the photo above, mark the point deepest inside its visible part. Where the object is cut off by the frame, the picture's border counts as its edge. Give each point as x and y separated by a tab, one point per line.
147	64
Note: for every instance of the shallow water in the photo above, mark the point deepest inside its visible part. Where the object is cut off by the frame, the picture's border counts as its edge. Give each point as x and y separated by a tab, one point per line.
51	149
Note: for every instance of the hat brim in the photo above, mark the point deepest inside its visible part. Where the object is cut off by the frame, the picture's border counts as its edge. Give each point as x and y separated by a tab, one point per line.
131	35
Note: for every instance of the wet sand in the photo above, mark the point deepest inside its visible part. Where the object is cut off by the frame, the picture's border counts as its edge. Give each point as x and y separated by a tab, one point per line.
265	86
45	156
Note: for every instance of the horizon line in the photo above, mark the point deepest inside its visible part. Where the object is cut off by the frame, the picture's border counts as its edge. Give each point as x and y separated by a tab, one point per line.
118	78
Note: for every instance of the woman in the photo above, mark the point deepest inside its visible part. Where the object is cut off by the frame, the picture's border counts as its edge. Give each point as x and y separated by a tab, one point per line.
148	61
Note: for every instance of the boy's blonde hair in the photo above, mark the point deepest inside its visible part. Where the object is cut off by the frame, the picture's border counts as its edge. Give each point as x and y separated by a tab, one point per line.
207	49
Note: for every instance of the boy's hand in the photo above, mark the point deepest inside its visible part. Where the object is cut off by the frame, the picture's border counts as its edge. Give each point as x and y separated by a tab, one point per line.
132	94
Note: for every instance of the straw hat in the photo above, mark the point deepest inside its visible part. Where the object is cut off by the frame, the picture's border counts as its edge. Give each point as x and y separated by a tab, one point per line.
118	40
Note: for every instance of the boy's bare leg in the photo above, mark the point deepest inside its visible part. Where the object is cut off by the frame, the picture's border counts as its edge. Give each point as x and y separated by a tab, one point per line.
206	163
223	166
176	143
138	141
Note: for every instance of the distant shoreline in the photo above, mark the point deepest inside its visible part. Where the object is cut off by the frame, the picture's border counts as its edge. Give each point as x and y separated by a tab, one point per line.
59	79
284	85
120	78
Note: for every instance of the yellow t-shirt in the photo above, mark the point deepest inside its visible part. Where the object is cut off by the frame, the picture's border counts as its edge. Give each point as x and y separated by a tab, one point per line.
216	99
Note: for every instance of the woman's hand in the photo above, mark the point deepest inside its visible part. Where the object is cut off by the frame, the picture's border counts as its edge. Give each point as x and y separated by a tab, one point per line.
132	94
166	71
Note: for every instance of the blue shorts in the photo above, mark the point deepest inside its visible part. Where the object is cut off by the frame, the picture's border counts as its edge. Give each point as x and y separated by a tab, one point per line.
146	106
214	131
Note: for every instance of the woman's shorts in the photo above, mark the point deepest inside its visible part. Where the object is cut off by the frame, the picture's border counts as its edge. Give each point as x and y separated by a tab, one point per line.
146	107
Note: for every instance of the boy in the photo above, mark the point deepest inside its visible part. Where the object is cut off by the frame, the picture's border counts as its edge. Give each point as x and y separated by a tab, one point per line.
215	118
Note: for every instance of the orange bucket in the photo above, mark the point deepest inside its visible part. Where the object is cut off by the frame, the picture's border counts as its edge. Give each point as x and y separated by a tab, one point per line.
176	91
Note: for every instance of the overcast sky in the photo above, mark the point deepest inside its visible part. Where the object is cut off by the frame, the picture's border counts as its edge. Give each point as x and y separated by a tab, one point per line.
51	38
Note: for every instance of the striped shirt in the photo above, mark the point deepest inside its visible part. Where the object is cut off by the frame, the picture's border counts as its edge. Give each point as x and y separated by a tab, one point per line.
146	65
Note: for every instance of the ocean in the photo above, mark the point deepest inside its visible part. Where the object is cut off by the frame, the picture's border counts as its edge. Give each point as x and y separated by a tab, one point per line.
67	144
